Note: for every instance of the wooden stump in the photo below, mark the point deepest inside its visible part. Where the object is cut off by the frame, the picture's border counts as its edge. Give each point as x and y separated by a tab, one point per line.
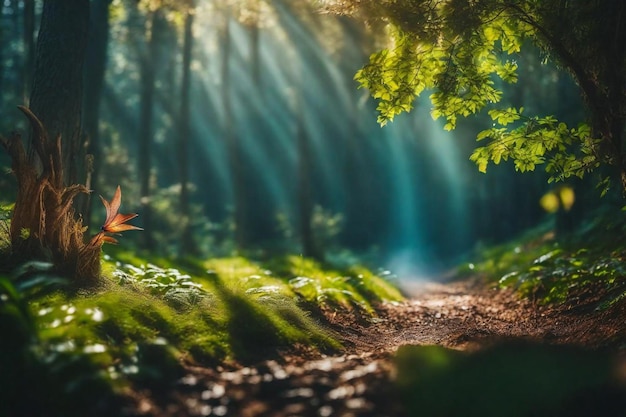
44	225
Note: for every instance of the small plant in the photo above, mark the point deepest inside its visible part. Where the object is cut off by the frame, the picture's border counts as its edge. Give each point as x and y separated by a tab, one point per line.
171	284
588	267
115	222
352	288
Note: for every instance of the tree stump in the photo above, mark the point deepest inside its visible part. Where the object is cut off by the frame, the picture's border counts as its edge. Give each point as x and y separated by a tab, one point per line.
44	225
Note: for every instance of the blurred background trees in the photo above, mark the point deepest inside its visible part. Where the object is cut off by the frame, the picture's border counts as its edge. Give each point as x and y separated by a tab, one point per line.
236	126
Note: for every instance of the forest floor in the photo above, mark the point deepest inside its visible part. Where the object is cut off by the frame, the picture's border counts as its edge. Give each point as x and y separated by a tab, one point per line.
466	315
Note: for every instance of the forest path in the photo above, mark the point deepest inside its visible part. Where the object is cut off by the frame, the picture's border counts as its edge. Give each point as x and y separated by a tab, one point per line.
462	315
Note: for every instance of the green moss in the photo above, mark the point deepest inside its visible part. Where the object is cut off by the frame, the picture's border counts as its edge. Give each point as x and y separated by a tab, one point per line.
373	287
239	310
261	309
149	317
319	284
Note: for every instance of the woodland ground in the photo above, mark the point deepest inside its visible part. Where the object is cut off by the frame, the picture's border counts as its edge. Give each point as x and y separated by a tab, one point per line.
467	315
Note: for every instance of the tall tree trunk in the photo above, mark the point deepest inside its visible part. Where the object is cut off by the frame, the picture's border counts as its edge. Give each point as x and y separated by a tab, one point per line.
255	47
95	66
232	141
187	243
29	48
13	25
44	225
56	97
148	66
305	202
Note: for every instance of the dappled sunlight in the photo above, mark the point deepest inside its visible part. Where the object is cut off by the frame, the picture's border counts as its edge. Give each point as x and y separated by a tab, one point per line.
326	208
405	191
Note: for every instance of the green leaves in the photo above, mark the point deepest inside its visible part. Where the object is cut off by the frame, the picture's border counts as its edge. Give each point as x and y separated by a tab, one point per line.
174	286
534	141
393	79
461	52
504	117
457	54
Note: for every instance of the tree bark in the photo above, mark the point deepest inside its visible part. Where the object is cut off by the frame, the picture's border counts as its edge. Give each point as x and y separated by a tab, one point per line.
148	66
187	245
233	143
305	202
56	96
43	225
95	66
29	47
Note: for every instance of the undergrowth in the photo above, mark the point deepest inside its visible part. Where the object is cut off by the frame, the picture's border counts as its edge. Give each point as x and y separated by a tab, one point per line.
513	379
149	320
586	265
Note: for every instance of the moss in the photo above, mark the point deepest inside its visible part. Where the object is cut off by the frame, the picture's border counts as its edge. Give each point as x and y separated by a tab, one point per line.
320	284
241	311
374	287
145	321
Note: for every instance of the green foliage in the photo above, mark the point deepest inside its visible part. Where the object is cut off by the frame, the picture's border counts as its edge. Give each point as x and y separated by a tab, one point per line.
210	237
589	266
556	275
355	287
509	379
16	323
566	152
455	53
325	225
463	52
148	320
174	286
38	376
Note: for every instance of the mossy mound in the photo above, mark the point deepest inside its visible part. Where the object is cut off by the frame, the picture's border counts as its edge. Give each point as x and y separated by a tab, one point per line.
140	329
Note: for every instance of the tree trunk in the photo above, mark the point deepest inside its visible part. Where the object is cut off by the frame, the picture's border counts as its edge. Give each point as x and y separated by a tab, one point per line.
148	65
43	225
56	96
310	247
187	244
29	47
232	142
12	24
305	202
255	49
95	66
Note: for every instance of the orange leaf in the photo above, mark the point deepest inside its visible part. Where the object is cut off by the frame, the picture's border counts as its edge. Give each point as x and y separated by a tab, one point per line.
117	224
101	238
114	222
109	239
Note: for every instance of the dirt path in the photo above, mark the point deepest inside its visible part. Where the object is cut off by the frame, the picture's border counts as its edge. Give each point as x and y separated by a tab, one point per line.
464	315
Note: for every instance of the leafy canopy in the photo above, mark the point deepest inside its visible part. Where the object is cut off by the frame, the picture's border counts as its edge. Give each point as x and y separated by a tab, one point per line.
462	52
